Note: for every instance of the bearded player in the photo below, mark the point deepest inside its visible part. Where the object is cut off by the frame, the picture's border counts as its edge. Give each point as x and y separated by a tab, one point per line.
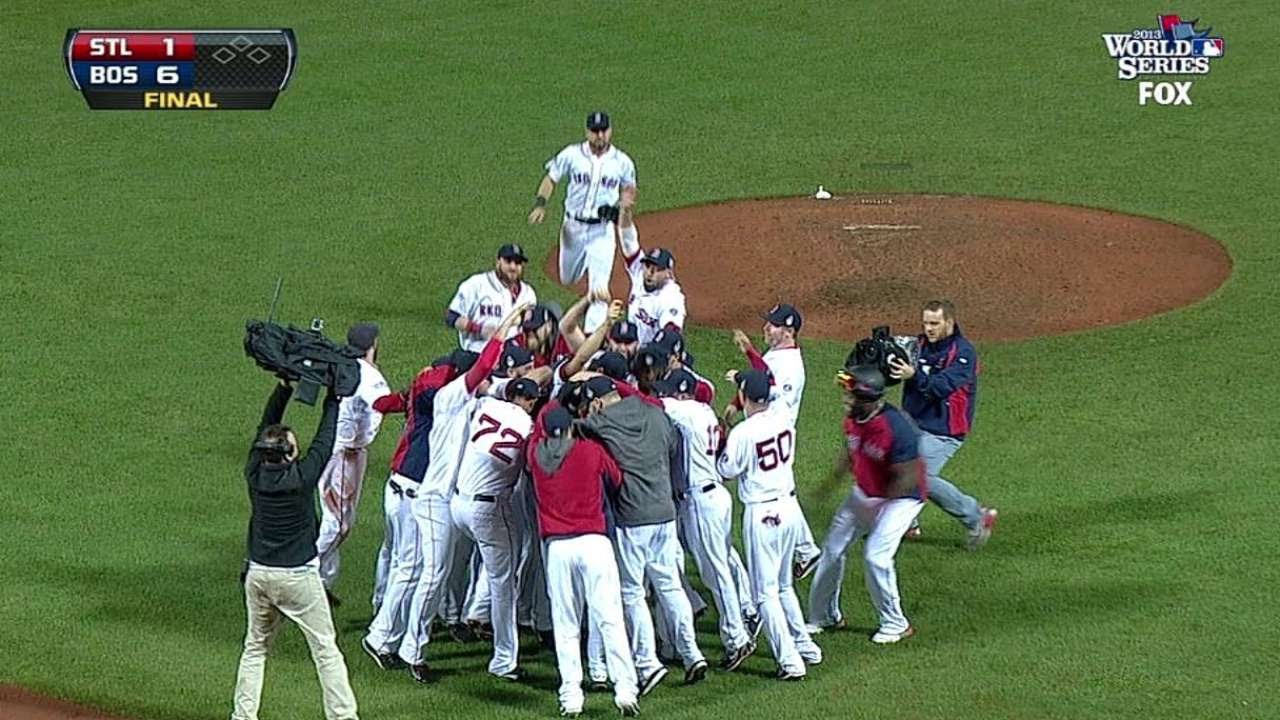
601	179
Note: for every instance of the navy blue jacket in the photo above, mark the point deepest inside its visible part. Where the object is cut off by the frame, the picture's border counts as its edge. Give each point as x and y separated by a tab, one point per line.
942	395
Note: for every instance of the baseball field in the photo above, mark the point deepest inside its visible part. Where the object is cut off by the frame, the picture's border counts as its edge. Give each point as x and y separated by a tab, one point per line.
1134	569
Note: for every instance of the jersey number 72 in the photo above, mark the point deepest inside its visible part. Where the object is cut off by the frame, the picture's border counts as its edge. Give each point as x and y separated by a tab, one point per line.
491	425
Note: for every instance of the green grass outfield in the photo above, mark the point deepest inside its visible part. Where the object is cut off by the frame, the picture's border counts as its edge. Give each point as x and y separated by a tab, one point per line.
1134	571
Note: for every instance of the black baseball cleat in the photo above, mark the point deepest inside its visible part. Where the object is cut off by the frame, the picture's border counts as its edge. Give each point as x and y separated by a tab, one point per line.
696	673
802	568
789	676
461	632
753	624
734	660
631	709
514	675
421	673
594	685
385	661
651	681
481	630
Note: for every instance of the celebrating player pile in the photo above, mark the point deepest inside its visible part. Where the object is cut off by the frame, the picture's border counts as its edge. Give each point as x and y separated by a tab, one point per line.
557	468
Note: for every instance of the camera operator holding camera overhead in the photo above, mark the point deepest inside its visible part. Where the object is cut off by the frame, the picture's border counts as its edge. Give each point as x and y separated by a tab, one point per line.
602	181
283	575
940	392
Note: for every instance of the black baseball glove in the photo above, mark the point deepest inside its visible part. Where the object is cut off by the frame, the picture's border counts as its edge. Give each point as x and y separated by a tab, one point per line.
608	213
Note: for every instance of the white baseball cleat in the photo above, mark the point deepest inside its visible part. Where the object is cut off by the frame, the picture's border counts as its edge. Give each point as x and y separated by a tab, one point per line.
980	536
822	194
886	638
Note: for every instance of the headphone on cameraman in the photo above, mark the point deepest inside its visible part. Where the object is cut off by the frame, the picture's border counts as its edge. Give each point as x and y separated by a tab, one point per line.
281	446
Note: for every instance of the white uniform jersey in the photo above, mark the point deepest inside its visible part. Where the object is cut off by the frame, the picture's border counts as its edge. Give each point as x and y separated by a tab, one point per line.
787	367
651	311
483	298
759	454
493	457
700	431
594	180
358	422
450	415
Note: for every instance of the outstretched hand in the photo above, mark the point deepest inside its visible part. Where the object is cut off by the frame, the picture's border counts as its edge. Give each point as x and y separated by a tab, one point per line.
536	215
742	341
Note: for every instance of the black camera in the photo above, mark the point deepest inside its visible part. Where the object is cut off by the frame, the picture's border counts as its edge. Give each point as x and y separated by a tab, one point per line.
879	347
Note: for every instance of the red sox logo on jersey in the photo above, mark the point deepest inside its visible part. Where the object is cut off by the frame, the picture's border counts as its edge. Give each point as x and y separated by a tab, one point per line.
605	182
642	316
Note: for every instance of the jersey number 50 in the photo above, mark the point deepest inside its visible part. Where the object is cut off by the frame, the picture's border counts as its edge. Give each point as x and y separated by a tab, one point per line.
775	451
491	425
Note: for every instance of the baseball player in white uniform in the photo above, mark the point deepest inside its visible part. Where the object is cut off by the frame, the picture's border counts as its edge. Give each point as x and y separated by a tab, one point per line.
492	461
484	299
343	477
451	413
783	360
759	454
656	300
599	176
706	509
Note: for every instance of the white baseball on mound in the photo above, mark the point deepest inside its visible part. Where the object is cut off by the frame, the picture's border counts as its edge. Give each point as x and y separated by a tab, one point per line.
822	194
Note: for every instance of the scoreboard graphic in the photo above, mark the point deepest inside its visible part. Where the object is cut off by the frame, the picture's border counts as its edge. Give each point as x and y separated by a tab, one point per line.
180	69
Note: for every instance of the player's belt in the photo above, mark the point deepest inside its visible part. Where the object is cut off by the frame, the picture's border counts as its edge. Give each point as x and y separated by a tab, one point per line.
586	221
398	489
704	489
775	499
480	498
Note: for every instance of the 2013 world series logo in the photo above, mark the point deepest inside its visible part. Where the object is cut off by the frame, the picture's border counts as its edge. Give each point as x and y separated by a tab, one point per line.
1174	48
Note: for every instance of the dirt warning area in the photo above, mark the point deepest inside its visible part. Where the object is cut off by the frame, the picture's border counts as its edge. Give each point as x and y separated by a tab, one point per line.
1015	269
18	704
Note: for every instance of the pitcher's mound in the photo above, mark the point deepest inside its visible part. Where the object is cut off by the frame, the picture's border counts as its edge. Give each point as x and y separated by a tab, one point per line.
1015	269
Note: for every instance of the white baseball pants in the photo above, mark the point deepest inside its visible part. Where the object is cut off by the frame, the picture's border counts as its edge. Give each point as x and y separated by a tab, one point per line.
404	566
435	539
587	248
652	552
339	487
708	521
770	532
581	569
882	521
490	525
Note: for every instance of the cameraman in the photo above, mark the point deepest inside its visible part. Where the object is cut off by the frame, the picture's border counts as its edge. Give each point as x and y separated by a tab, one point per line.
939	392
283	575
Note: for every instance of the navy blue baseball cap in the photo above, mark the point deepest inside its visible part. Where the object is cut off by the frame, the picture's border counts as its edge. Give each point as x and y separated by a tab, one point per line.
538	316
613	364
624	331
512	251
362	335
754	384
784	315
461	360
650	356
660	258
523	388
686	358
513	356
556	422
598	387
670	340
598	120
679	382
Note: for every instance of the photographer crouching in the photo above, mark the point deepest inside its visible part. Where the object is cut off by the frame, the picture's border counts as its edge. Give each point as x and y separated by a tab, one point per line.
939	392
283	574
